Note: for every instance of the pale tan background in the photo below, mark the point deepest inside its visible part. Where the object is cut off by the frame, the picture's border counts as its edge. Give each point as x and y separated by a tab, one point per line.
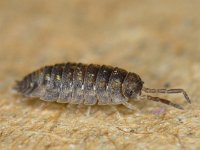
160	40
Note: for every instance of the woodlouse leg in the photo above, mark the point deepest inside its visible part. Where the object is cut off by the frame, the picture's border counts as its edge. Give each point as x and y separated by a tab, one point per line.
130	106
158	99
88	111
117	112
168	91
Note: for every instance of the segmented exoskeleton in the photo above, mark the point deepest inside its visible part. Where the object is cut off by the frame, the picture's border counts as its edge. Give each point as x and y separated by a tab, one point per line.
92	84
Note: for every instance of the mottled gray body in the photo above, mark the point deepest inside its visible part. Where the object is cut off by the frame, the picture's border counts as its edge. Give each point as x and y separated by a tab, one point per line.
78	83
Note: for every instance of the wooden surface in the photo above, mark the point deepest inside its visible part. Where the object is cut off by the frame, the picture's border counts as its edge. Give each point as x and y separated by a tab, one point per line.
160	40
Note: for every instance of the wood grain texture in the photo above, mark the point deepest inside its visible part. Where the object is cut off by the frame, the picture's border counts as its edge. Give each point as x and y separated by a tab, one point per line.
156	39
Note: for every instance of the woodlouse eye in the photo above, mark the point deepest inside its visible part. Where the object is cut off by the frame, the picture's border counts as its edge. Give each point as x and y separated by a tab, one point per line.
130	92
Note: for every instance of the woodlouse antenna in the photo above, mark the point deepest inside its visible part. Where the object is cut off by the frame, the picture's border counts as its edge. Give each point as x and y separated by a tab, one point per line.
166	91
158	99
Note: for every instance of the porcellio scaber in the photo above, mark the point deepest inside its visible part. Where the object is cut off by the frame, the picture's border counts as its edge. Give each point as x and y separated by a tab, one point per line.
78	83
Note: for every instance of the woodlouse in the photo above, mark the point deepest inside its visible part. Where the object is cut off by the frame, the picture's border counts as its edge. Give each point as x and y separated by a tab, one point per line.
92	84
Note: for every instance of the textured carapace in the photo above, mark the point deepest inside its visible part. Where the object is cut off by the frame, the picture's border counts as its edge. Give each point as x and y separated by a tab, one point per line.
79	83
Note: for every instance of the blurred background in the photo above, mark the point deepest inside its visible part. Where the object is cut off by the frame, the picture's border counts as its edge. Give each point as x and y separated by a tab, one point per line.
159	40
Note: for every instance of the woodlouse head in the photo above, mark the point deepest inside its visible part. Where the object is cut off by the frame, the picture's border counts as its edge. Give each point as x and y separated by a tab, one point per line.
132	86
